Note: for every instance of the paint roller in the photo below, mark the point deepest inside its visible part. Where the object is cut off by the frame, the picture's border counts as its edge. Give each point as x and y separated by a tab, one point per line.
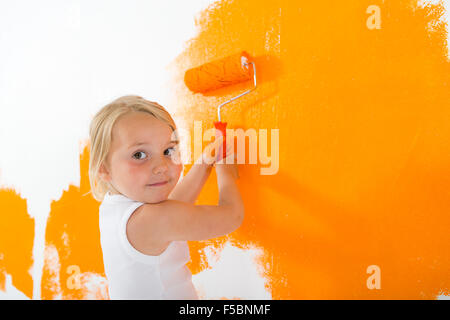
220	73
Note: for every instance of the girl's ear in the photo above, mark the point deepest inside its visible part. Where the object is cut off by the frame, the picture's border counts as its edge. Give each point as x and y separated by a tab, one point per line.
104	173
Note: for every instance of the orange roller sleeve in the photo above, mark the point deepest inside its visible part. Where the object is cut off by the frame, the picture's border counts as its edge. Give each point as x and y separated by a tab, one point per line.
219	73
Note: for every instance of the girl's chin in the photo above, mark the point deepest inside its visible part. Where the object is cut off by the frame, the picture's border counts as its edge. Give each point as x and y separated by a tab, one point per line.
152	198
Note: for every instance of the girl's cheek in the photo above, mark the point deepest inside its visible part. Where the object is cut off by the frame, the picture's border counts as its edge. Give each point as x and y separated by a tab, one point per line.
132	163
134	167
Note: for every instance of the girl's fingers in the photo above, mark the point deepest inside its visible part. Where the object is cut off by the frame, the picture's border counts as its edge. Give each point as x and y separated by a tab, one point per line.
214	144
229	150
213	151
217	142
208	159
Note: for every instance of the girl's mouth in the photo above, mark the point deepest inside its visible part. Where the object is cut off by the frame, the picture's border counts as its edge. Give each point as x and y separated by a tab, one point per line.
158	184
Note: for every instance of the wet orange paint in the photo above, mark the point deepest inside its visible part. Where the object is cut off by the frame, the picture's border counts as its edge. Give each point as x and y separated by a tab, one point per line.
16	242
72	238
364	119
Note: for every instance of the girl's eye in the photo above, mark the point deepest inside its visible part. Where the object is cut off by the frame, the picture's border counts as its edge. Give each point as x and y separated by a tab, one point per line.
139	153
171	149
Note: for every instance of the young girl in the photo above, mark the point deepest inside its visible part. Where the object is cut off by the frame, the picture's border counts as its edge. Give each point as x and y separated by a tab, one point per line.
145	217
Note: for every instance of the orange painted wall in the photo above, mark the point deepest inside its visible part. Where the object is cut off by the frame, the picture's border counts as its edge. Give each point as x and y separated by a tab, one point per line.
364	173
72	238
364	120
16	242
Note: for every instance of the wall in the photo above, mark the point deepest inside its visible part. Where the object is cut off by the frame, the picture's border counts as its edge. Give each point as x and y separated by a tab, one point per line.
364	151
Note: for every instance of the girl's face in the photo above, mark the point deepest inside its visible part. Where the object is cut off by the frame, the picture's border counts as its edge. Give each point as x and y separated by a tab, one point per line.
142	154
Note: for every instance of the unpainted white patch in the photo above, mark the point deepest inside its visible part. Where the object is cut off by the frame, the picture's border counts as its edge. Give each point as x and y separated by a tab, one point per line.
234	274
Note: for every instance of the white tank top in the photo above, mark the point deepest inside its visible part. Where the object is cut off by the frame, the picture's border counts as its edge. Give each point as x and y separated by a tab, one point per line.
132	274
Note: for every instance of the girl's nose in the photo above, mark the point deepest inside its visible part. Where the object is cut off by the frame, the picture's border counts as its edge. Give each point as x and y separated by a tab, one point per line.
160	167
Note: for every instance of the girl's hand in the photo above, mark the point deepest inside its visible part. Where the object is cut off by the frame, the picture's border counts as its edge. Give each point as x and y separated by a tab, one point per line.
213	153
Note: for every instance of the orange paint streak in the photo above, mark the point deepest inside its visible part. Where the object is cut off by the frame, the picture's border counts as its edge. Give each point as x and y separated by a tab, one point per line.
72	228
364	143
16	242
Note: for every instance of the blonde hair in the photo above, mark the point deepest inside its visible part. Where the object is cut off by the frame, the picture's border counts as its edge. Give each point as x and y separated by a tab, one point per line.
100	134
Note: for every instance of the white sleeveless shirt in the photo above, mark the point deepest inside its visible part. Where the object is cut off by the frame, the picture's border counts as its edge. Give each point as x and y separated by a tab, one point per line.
132	274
